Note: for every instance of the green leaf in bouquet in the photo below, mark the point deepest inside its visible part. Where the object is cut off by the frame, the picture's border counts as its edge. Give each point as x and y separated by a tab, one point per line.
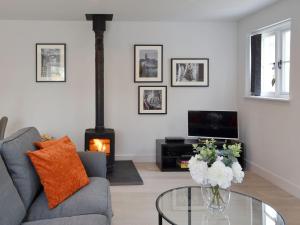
235	149
195	146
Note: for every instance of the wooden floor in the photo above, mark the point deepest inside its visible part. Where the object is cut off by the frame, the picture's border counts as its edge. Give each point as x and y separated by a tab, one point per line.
135	205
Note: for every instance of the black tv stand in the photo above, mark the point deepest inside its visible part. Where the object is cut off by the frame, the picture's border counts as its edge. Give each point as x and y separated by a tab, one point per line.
168	153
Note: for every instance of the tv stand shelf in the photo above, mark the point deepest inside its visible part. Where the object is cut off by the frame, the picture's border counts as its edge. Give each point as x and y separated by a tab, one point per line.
168	153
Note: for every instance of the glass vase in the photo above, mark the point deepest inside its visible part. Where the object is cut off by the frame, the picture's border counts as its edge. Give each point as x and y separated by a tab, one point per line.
215	198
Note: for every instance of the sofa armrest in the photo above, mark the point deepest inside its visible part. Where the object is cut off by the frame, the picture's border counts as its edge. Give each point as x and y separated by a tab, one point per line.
94	163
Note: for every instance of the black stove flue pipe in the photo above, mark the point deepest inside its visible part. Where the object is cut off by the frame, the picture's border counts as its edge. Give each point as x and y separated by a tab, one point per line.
99	26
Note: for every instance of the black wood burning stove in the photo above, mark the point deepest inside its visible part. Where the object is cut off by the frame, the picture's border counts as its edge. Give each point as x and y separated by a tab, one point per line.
100	138
102	141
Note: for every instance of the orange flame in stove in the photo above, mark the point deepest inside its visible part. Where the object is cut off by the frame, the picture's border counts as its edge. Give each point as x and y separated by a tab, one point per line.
100	145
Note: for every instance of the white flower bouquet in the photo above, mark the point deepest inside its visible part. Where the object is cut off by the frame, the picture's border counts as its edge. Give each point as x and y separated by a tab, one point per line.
216	169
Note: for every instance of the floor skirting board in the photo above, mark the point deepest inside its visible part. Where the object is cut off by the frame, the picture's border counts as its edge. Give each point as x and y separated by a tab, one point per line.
281	182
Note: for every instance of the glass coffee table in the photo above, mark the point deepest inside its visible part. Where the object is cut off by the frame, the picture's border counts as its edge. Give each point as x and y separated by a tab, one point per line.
185	206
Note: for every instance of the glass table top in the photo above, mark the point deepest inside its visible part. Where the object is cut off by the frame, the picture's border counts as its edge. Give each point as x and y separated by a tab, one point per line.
173	207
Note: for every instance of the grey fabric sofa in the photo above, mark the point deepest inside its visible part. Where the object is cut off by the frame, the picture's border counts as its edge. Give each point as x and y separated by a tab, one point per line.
23	202
3	123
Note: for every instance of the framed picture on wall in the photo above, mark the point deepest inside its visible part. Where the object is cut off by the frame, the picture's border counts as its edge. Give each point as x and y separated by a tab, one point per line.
148	63
152	100
50	62
189	72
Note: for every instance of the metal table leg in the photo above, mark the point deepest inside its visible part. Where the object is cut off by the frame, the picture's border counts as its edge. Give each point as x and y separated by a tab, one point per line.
189	206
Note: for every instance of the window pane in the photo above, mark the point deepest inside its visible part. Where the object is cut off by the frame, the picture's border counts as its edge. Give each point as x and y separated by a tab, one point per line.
286	77
268	60
286	45
286	42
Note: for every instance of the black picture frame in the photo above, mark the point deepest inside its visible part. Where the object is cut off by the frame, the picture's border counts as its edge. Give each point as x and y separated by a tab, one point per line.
192	82
61	59
164	100
137	77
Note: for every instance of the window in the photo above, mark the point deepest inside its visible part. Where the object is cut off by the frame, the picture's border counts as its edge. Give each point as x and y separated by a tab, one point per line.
270	61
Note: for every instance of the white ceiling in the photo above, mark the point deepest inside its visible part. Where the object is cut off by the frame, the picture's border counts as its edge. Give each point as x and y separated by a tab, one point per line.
131	10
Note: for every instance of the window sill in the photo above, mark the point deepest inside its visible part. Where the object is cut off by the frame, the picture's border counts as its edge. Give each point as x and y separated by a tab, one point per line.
280	99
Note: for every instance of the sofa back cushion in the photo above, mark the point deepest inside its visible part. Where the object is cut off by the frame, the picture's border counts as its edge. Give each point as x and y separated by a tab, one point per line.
12	210
13	150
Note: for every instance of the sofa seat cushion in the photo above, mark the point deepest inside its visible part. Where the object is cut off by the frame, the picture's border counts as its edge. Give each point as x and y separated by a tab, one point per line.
74	220
91	199
13	150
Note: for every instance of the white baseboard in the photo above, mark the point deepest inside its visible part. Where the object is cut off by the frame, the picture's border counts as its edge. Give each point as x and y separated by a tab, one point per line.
137	158
279	181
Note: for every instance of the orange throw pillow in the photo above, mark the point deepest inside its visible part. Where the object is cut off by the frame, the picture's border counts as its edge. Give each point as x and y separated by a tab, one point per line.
45	144
60	170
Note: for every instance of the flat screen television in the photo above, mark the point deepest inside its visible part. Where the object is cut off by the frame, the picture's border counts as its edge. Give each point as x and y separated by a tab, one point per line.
215	124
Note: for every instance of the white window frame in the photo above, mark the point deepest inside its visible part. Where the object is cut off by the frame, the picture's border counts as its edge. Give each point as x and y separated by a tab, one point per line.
278	30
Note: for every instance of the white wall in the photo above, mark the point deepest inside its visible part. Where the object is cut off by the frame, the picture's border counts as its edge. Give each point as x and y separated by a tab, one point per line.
54	108
68	108
271	128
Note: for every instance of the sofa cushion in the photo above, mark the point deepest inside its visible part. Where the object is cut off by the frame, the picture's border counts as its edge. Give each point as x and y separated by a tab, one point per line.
12	210
91	199
45	144
13	150
60	170
74	220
